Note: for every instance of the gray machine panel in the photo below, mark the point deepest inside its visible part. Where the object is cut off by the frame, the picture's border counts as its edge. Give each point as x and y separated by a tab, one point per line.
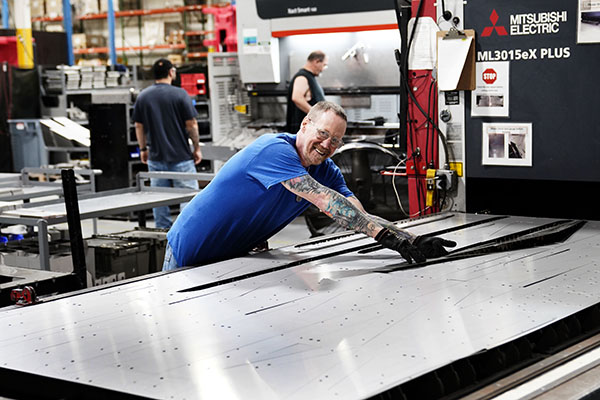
328	326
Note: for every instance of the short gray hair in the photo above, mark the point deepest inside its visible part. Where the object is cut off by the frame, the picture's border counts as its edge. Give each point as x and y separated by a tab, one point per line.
324	106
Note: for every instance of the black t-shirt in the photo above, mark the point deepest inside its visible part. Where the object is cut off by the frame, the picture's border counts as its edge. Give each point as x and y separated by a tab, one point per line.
294	114
163	110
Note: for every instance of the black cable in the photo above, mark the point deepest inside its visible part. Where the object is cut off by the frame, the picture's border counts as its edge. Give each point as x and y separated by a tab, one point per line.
413	156
427	128
430	99
436	110
445	14
433	124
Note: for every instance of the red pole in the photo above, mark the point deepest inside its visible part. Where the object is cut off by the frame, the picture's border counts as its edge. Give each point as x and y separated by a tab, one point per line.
422	140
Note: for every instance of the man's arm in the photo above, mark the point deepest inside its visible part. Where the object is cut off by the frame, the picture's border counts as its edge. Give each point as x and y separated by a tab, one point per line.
350	213
141	138
343	210
299	92
191	126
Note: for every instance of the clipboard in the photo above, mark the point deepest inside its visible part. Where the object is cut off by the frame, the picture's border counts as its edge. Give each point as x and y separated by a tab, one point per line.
456	59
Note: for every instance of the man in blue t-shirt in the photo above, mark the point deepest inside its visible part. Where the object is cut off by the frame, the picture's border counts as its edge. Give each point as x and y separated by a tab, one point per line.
268	184
164	119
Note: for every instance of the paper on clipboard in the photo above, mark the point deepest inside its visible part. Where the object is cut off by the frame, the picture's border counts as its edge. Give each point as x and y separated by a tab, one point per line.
456	59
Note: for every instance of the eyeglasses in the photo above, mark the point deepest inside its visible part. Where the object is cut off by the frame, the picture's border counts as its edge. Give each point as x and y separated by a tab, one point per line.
324	135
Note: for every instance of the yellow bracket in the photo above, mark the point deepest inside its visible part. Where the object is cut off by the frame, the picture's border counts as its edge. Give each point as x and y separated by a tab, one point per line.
242	109
430	182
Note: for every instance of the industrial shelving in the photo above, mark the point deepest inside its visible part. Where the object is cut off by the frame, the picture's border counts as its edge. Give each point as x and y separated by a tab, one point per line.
185	9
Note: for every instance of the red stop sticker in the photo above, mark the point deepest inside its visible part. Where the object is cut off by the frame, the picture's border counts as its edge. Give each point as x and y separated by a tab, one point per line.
489	76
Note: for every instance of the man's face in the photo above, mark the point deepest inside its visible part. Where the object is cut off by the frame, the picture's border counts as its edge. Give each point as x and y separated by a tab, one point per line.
319	137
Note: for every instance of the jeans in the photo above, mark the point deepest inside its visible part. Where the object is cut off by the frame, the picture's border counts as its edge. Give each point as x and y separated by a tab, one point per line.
162	215
170	263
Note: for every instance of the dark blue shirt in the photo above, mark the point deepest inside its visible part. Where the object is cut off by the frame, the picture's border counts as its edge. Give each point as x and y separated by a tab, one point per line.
163	110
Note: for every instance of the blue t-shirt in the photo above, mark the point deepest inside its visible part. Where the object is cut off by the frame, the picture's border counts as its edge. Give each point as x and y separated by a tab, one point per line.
245	204
163	110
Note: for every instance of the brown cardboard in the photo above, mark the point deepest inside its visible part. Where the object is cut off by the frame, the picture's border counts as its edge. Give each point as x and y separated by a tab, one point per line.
103	5
37	8
54	8
78	40
95	40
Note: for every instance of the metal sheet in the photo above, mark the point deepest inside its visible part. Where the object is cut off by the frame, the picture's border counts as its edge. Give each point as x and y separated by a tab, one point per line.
102	204
326	327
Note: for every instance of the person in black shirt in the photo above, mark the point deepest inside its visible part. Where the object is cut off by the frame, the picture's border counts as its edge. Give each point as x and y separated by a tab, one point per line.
165	118
304	90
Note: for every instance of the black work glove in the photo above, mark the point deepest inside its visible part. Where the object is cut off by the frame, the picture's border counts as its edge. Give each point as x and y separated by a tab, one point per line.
392	241
432	246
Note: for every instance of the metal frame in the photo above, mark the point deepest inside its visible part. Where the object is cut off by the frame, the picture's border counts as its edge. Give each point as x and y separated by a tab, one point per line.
93	205
18	186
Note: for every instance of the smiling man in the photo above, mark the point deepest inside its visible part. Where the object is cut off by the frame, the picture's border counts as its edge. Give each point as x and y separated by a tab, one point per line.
265	186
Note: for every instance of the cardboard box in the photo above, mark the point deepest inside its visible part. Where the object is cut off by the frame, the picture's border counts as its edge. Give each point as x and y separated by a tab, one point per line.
154	32
95	41
37	8
176	59
54	8
175	37
84	7
79	41
104	5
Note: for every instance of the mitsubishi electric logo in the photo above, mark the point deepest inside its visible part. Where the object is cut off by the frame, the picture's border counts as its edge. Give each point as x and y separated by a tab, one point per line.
500	30
541	23
528	23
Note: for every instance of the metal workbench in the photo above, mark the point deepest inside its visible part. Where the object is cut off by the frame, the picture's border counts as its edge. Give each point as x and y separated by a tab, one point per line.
16	187
9	177
331	318
92	205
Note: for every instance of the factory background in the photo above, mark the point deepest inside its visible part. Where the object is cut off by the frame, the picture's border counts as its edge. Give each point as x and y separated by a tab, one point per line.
474	120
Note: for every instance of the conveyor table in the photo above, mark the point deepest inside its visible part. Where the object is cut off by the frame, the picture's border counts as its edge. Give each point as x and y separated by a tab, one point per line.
314	320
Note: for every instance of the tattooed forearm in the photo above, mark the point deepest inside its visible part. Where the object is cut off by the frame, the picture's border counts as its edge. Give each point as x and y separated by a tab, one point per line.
333	204
346	214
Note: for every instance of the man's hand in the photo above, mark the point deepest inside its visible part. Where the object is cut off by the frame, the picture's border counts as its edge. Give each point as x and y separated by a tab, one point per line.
197	155
432	247
392	241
